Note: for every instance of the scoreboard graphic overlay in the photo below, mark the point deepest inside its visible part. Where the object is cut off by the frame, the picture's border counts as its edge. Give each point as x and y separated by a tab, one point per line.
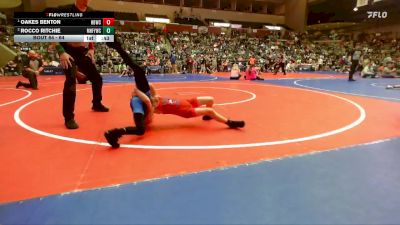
64	27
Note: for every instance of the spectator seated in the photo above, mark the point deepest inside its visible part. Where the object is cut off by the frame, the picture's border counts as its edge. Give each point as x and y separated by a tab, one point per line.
235	72
369	71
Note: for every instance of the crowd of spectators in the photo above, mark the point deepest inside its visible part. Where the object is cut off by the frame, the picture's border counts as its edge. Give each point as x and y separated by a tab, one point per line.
149	49
207	53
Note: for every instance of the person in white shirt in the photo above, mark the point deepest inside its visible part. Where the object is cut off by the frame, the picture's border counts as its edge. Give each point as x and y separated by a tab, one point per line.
291	66
320	62
368	70
235	72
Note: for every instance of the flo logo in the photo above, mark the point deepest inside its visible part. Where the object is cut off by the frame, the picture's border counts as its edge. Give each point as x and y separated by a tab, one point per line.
376	14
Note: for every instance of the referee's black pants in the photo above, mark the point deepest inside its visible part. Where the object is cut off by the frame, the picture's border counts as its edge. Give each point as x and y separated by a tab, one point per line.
87	67
279	66
353	68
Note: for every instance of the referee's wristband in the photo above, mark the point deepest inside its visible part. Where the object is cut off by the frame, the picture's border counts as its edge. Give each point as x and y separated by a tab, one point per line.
60	49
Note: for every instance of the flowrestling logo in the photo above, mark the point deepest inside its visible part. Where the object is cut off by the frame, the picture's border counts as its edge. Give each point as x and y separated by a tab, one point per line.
377	14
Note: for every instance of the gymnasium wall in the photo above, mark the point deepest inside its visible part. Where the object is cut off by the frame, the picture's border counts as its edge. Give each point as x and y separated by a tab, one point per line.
143	8
296	14
394	29
34	5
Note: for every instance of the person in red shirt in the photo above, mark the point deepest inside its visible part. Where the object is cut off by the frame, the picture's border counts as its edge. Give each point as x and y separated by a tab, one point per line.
190	63
188	108
252	61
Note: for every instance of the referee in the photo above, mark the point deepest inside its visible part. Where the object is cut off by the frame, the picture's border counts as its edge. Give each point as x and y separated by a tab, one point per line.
355	55
73	55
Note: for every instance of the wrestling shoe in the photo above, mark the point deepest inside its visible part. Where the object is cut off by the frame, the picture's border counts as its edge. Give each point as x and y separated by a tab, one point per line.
19	84
235	123
112	137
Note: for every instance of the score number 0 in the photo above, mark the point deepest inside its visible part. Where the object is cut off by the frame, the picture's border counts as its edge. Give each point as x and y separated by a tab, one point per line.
108	21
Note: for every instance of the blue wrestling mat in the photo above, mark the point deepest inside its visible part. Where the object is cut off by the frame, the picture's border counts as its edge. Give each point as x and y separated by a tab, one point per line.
372	88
